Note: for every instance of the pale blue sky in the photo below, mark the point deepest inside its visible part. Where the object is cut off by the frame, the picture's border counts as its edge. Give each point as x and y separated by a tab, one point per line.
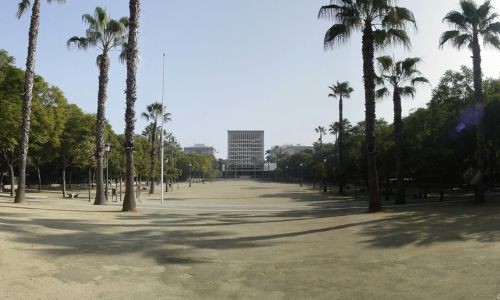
231	64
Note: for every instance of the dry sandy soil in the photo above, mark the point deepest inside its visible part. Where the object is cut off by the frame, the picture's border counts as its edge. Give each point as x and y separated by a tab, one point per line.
248	240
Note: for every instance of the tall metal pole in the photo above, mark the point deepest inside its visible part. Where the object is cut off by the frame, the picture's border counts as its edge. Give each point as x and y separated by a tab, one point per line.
107	171
162	121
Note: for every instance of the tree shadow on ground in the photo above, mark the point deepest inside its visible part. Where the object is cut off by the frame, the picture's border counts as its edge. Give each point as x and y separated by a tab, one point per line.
171	238
427	226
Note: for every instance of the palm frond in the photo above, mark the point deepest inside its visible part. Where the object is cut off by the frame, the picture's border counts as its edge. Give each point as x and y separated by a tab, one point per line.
456	20
381	93
491	40
329	11
493	28
98	60
124	53
407	91
337	34
145	116
419	79
22	7
89	20
385	62
447	36
469	8
79	42
391	36
101	15
408	65
398	18
483	11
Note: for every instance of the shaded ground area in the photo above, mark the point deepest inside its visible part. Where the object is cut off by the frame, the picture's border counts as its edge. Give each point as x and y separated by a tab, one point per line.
244	239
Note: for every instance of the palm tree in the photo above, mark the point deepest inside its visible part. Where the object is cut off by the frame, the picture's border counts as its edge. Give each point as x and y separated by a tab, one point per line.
334	129
341	90
153	115
321	131
469	24
104	34
132	56
381	24
28	91
398	78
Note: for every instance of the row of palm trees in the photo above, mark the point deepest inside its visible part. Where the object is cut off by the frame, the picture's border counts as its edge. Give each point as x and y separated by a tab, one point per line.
104	34
384	24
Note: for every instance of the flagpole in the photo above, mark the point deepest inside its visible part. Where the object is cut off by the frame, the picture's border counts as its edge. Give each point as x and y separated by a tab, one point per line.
162	121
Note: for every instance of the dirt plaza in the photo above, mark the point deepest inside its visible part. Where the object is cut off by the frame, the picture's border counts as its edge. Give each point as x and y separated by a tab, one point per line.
248	240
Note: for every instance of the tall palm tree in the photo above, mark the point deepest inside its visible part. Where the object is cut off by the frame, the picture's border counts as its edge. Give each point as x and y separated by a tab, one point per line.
398	78
381	24
321	131
342	91
469	24
153	114
28	91
129	203
104	34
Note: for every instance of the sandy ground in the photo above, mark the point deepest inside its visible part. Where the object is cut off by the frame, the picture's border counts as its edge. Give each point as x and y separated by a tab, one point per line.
248	240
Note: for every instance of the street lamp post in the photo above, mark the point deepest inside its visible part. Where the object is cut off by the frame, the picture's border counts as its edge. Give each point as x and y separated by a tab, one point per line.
190	175
107	148
300	182
286	173
324	177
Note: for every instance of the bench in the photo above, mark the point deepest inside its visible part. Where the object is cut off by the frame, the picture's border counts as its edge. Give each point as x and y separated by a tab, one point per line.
73	195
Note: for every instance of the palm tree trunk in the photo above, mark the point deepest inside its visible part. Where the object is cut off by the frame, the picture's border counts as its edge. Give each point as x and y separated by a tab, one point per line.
131	92
479	111
11	169
341	145
152	159
369	85
64	177
100	198
90	182
398	127
28	95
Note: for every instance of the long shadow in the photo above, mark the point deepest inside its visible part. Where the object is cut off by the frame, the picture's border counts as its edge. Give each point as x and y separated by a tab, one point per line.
171	238
427	226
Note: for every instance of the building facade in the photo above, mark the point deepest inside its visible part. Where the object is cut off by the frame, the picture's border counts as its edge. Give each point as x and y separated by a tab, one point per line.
294	149
245	150
201	149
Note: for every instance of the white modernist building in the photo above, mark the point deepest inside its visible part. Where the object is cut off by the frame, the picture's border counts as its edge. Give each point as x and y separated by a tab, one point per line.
245	150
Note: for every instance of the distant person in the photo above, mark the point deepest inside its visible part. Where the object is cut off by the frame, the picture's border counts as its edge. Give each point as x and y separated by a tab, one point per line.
138	193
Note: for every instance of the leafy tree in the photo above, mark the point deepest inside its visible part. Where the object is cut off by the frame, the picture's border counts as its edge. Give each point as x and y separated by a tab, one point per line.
381	24
342	91
48	124
104	34
11	87
398	78
28	91
74	148
469	24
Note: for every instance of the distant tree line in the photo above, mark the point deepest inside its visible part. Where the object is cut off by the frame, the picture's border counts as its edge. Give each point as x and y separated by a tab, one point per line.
437	144
62	140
